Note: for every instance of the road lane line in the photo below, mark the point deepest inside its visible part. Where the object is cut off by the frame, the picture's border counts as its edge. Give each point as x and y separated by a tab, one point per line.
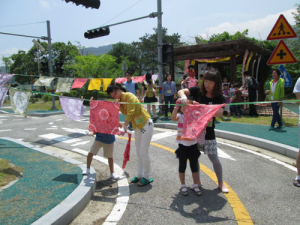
158	136
5	130
224	155
240	212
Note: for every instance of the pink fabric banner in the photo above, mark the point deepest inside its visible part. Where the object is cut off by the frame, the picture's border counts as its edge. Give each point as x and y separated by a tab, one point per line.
4	78
120	80
79	82
3	91
186	64
139	79
192	82
104	117
72	107
126	154
196	118
244	62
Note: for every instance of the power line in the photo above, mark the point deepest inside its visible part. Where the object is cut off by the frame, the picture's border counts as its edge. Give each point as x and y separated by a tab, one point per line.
21	24
122	12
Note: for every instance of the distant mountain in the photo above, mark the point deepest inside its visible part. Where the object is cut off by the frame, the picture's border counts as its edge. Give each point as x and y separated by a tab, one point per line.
97	51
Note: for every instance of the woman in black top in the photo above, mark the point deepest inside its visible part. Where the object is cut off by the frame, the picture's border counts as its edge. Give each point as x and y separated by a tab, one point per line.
209	93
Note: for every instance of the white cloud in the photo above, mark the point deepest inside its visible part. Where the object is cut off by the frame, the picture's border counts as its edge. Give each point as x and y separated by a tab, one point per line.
44	4
258	29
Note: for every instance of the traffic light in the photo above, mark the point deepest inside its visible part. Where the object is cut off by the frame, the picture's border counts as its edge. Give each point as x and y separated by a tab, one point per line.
45	67
87	3
99	32
167	53
58	66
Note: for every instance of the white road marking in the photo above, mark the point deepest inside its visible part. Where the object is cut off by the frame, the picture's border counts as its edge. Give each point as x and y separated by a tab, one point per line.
222	154
30	128
51	128
17	119
75	130
5	130
60	138
3	119
50	123
83	120
156	137
81	143
20	139
3	116
264	156
59	120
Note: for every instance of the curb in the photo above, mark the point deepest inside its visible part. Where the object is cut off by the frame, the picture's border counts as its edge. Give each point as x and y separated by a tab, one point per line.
273	146
70	207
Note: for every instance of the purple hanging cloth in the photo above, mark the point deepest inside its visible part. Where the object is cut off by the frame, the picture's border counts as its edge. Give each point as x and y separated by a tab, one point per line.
72	107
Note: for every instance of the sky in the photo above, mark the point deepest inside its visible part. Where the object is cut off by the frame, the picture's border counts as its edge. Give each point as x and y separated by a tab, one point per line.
189	18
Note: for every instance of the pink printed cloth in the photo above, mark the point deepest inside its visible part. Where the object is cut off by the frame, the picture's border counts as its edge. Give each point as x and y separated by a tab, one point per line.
79	82
126	154
192	82
4	78
72	107
104	117
196	119
121	80
3	91
139	79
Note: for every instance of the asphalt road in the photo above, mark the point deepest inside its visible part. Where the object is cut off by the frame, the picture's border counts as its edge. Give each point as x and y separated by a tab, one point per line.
261	190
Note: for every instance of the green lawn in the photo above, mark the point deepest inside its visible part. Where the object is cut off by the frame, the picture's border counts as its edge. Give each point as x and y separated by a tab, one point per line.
8	172
43	105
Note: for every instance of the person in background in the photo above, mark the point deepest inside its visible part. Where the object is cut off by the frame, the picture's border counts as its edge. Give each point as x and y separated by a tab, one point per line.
296	182
227	95
149	85
276	94
169	94
200	81
132	87
190	71
185	82
143	130
232	89
249	80
237	98
225	81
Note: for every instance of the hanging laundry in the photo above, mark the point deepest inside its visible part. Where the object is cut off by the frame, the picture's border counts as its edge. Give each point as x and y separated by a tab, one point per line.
64	84
126	154
79	82
154	77
72	107
3	91
196	117
120	80
95	84
104	117
44	81
192	82
4	78
19	101
106	82
139	79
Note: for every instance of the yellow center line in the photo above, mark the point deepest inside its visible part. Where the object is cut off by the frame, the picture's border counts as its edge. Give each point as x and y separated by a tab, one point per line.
240	212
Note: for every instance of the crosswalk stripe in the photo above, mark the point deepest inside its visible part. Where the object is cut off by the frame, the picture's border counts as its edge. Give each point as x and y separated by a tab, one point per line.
60	138
158	136
81	143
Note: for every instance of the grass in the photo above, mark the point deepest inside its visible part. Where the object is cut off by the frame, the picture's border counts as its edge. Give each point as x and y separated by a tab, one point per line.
8	172
43	105
262	120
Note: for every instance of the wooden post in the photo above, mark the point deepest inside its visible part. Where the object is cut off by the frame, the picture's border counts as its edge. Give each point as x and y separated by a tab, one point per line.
232	68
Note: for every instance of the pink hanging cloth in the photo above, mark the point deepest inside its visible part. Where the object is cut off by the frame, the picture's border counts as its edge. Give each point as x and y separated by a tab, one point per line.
139	79
79	82
120	80
104	117
192	82
196	117
126	152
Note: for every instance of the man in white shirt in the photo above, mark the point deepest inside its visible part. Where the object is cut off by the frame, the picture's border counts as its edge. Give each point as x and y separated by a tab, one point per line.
296	182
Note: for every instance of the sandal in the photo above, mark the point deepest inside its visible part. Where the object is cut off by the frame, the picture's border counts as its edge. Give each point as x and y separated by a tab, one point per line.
184	191
134	180
197	191
144	181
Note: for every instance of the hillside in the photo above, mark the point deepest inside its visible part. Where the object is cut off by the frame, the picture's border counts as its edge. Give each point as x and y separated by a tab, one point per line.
97	51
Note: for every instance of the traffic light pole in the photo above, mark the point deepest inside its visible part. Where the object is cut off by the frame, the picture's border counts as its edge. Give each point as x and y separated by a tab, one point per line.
50	63
159	48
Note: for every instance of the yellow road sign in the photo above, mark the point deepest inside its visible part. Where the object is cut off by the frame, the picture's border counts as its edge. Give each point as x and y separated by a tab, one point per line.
281	55
281	30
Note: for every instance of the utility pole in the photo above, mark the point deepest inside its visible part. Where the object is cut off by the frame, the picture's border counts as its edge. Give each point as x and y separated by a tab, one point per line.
50	64
159	46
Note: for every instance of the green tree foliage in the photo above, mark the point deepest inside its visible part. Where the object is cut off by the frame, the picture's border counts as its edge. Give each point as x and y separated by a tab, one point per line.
7	62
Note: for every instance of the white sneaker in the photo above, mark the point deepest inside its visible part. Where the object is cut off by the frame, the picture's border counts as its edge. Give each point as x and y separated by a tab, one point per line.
114	176
90	134
227	118
86	172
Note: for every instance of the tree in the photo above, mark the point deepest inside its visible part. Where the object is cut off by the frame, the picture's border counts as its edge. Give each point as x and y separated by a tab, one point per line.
7	62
